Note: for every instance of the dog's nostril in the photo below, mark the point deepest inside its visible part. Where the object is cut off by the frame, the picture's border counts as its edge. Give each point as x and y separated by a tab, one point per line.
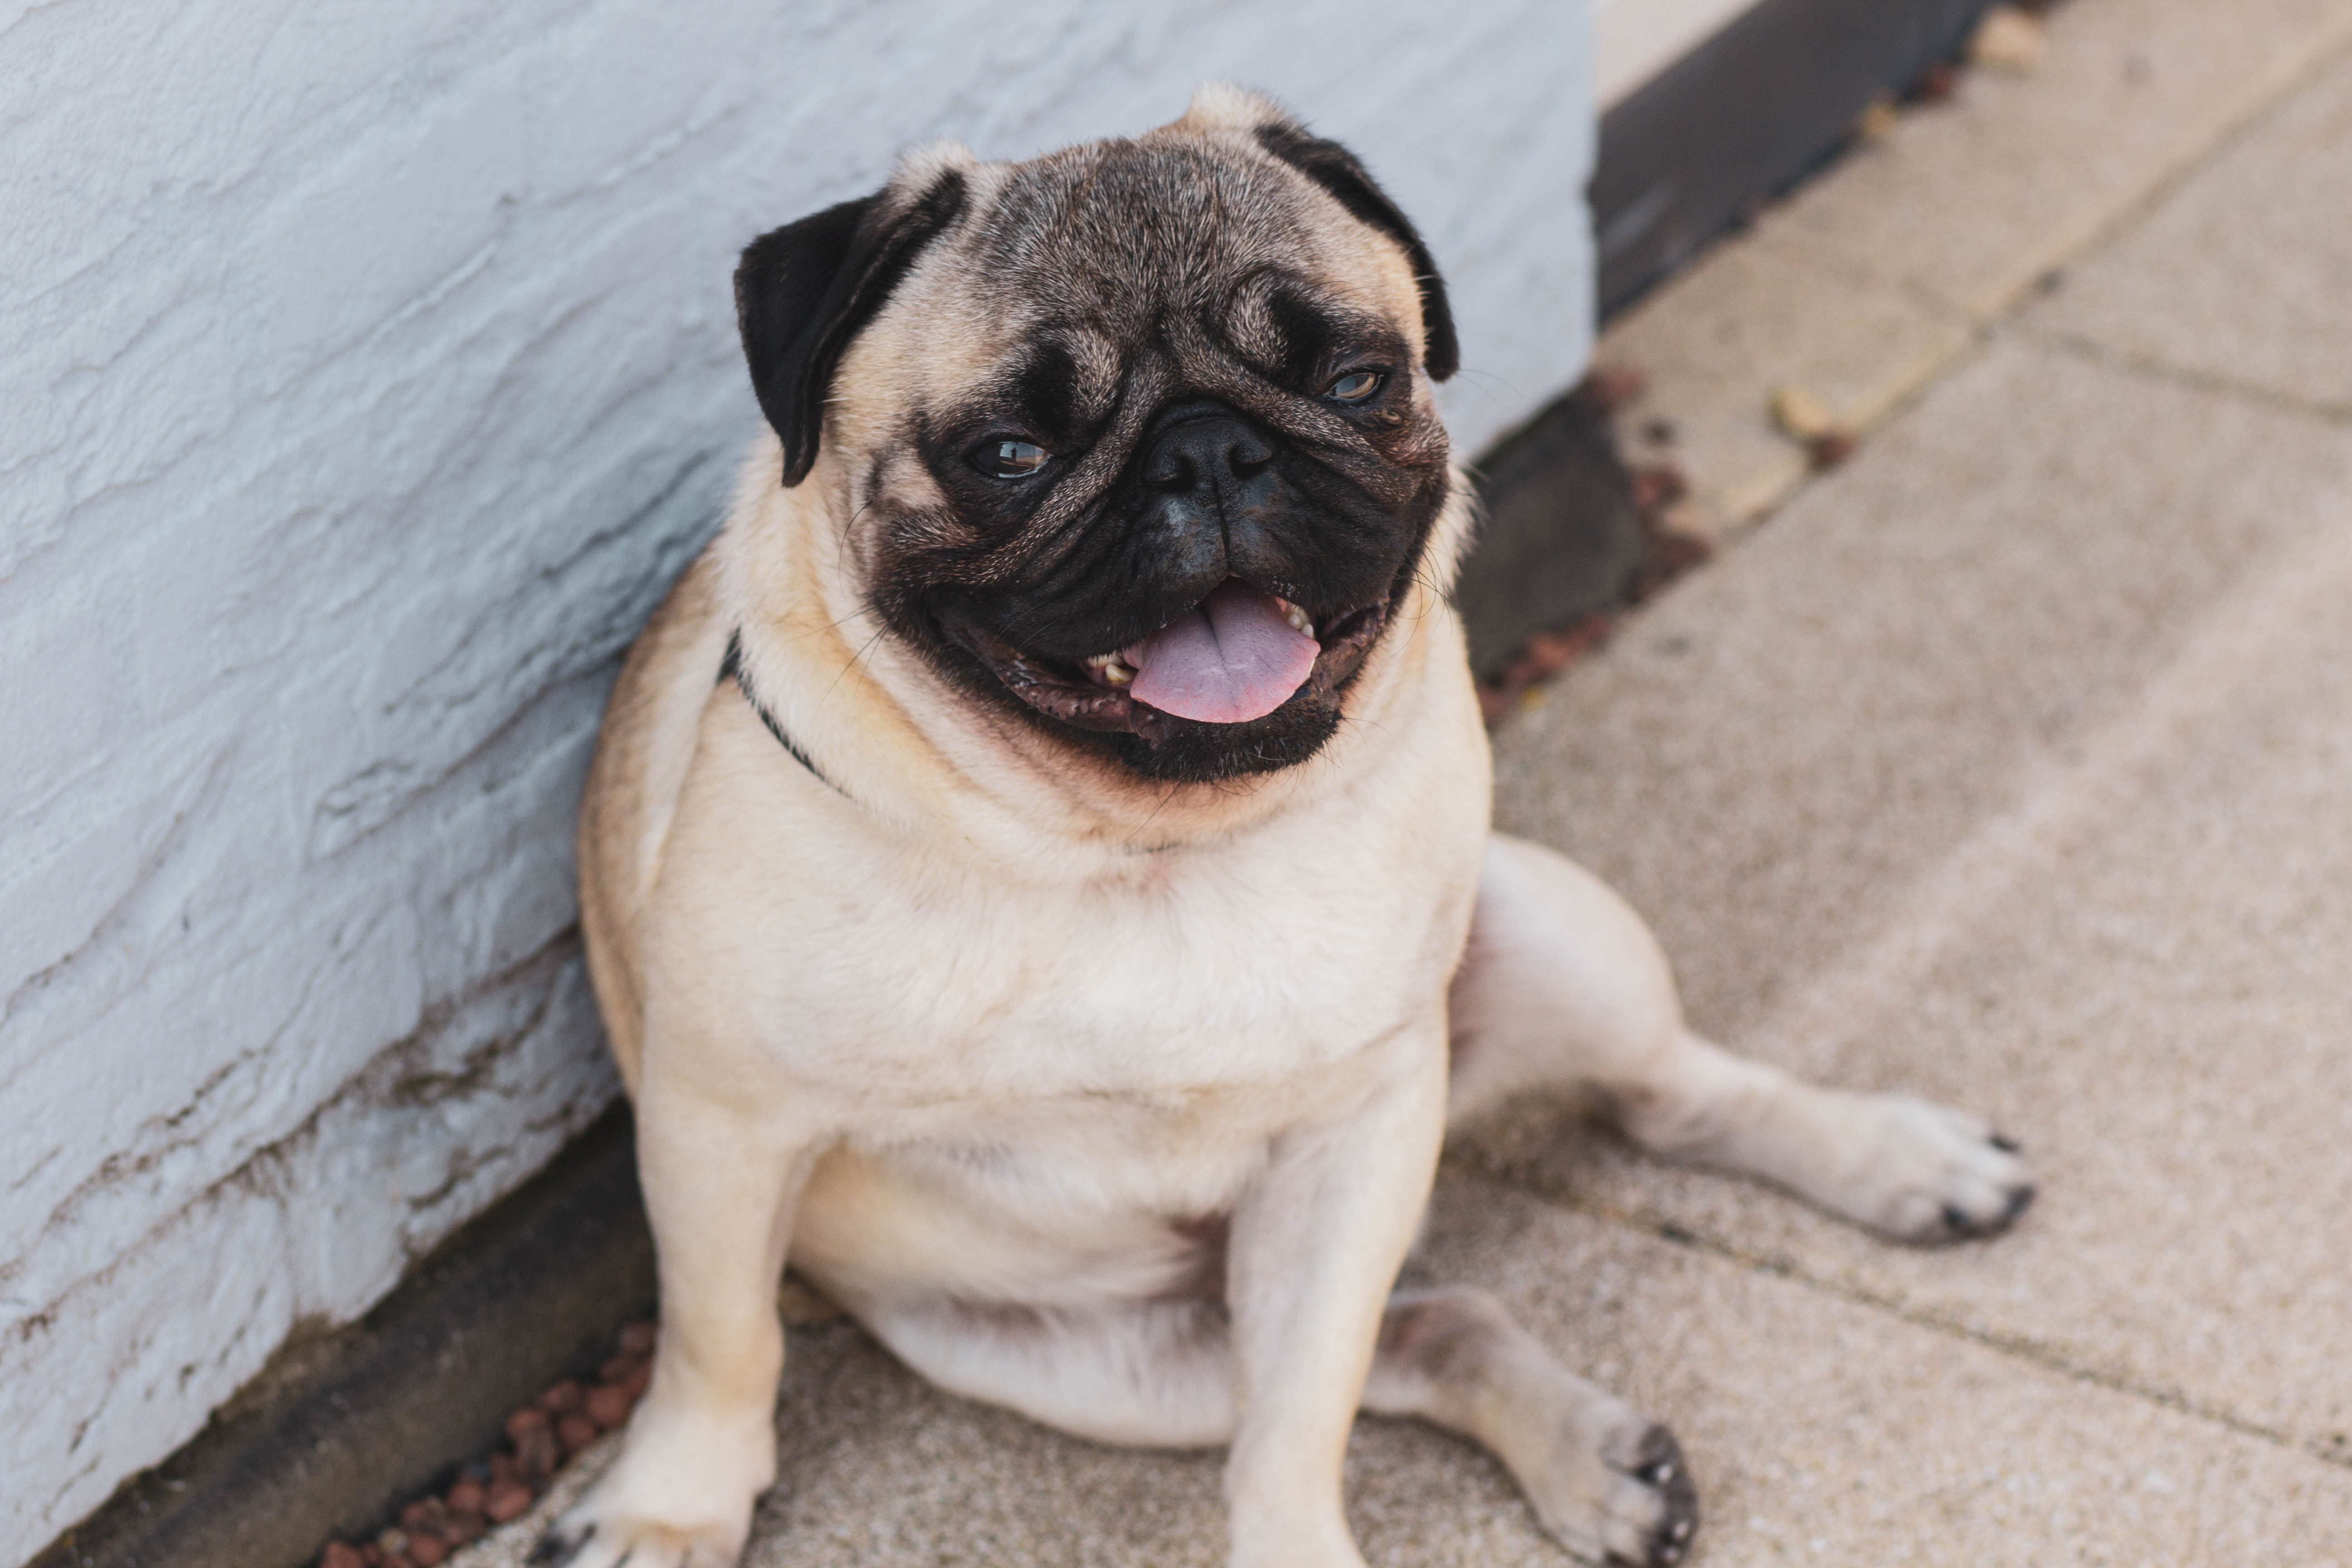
1171	471
1206	452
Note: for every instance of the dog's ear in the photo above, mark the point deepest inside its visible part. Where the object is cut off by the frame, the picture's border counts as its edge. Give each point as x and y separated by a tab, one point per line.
804	291
1335	169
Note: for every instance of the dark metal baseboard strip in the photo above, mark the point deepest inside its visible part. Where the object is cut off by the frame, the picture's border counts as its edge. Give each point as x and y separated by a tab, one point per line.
1746	114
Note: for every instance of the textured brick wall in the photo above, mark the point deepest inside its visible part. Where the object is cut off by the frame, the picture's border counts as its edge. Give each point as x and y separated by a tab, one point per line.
365	372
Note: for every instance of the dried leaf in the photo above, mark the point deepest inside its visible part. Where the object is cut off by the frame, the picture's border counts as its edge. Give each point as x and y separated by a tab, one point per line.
1801	414
1877	121
2008	40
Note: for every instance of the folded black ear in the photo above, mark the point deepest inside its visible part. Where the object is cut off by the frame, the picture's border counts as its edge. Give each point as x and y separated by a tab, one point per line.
804	291
1335	169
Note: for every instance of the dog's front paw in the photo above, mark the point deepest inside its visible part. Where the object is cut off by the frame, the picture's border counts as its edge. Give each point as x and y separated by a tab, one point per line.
679	1496
1924	1172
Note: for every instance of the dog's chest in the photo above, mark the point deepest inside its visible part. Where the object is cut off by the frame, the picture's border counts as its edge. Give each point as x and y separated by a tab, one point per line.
1212	972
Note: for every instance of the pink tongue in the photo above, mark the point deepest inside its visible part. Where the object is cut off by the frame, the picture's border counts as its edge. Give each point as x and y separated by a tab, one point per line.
1232	659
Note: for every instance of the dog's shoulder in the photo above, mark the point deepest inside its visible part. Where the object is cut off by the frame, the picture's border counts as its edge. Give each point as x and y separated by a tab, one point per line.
643	753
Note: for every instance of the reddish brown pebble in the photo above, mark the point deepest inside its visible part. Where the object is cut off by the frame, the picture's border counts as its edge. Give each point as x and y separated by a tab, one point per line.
507	1499
427	1550
560	1400
341	1555
1829	450
1609	387
523	1422
467	1496
372	1554
422	1514
575	1432
637	1339
1548	652
609	1406
617	1367
1657	486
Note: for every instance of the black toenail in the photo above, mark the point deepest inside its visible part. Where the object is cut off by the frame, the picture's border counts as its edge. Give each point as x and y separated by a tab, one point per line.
1659	1463
1956	1217
2020	1200
2006	1144
553	1547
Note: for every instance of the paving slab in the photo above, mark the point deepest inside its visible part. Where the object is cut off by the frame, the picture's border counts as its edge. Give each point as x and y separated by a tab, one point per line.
1767	756
1819	1431
1975	202
2243	273
1758	312
1870	281
2009	768
1823	1431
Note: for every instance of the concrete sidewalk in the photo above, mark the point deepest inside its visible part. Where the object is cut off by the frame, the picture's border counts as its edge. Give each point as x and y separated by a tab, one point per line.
2009	763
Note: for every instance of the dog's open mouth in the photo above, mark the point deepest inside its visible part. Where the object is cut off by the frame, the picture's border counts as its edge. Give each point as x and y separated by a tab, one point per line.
1236	657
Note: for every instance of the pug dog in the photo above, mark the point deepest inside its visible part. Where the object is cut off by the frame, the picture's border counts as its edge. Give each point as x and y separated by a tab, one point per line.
1038	880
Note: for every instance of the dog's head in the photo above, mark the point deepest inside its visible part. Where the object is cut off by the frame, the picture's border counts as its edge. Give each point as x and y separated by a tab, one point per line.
1137	436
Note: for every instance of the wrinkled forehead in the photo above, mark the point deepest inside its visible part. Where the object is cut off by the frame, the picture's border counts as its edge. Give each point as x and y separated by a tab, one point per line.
1181	216
1073	267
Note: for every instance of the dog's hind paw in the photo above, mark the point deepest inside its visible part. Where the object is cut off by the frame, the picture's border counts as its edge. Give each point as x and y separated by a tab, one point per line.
557	1547
1922	1172
1645	1508
1650	1510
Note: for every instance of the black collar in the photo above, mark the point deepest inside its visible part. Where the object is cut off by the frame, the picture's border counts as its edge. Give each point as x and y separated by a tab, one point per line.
731	668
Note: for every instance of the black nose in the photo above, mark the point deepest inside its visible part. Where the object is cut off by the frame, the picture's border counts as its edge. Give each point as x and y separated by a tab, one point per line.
1207	499
1206	456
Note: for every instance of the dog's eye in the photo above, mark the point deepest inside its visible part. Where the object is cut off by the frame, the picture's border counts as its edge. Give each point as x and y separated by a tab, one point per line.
1355	386
1009	460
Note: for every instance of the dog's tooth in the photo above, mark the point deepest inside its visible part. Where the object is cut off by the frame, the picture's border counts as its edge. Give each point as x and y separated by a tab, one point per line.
1113	669
1299	620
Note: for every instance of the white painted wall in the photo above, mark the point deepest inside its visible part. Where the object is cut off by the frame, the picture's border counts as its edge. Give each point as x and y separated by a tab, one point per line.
367	371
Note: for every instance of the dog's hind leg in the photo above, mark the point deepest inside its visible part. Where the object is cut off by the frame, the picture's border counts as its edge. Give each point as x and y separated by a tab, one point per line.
1562	986
1605	1480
